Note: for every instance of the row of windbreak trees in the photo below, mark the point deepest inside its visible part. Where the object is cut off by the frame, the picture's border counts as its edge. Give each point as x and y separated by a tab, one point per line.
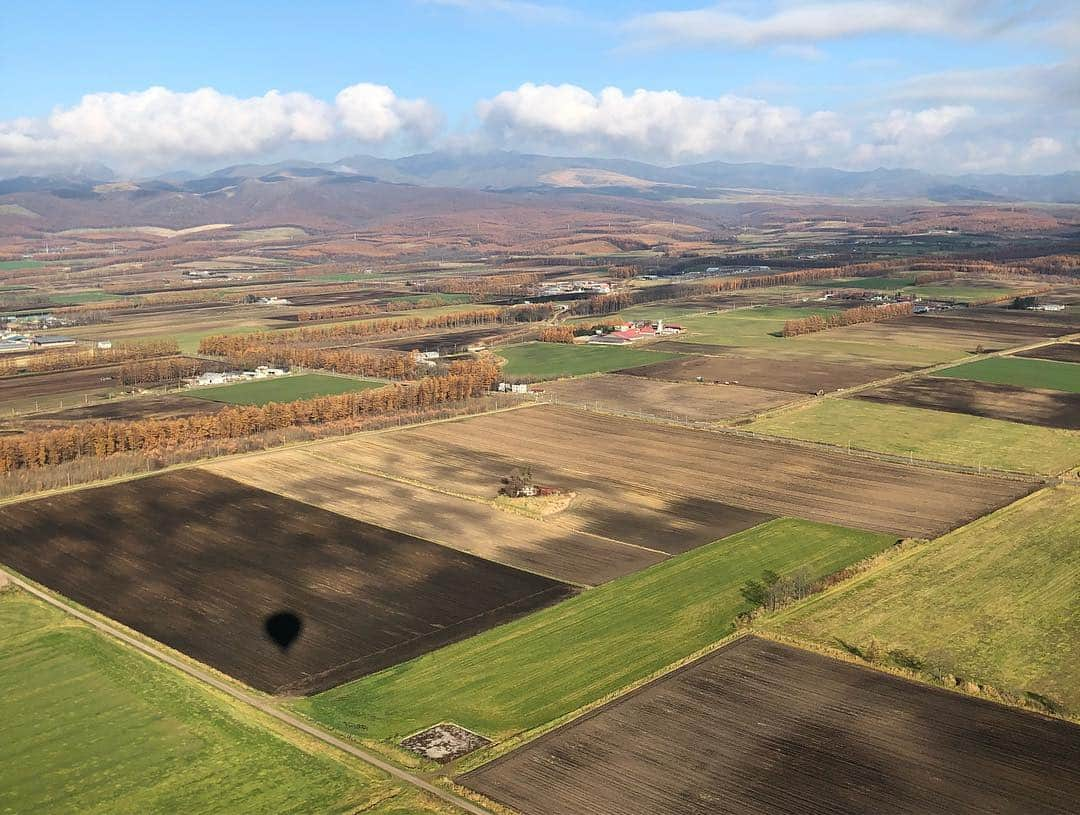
850	316
46	448
365	309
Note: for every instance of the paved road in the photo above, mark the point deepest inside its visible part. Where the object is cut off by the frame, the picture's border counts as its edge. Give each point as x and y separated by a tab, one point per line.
261	704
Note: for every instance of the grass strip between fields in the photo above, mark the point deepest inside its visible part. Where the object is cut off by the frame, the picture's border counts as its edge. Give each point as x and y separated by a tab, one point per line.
527	673
993	602
89	726
930	435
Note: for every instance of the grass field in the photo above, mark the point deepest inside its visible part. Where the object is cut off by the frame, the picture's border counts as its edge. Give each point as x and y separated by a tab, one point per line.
951	438
995	602
1020	371
536	669
10	265
283	389
550	360
91	727
963	294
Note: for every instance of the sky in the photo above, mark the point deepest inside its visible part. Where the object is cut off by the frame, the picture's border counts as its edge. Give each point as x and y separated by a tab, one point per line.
950	86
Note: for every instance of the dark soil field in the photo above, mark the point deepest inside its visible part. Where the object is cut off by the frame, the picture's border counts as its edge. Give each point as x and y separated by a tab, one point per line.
635	395
145	407
759	727
665	486
700	348
48	388
1060	352
965	329
797	376
1045	408
199	562
446	342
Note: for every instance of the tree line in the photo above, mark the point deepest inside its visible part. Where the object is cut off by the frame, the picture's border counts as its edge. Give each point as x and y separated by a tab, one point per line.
364	309
850	316
47	448
559	333
390	365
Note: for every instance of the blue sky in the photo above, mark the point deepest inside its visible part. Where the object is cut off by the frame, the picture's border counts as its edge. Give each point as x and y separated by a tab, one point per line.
951	85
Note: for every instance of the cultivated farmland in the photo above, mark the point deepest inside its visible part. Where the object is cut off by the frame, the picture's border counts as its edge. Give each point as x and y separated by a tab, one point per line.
199	562
1037	407
613	462
546	547
994	602
91	727
550	360
693	402
283	389
766	728
951	438
1061	351
1024	373
784	374
143	407
536	669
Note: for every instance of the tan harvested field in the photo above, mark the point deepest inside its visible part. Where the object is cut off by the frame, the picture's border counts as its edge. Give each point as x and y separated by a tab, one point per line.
760	727
794	376
667	485
1060	352
692	402
963	330
545	547
1045	408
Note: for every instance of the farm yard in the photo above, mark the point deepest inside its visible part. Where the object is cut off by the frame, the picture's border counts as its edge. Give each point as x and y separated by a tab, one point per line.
544	666
1006	615
1044	408
130	735
548	360
678	401
199	562
283	389
614	462
1024	373
758	726
932	435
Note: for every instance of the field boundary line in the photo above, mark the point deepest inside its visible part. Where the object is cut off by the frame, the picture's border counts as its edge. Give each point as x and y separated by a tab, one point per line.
250	700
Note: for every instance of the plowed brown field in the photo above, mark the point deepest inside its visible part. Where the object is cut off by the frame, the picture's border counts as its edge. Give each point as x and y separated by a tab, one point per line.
759	727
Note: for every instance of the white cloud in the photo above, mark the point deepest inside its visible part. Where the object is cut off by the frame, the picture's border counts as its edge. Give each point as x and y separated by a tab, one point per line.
810	22
657	124
1040	148
161	127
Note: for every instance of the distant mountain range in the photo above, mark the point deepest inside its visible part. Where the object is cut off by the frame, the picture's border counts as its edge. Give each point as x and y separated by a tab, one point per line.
361	189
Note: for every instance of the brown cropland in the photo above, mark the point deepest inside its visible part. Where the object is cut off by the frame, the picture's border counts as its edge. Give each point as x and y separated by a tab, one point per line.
965	330
315	477
449	341
144	407
803	375
669	487
690	402
760	727
1045	408
49	389
199	562
1060	352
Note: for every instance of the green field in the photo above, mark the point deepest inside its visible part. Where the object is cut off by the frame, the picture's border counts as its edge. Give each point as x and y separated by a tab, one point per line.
951	438
76	298
283	389
550	360
1020	371
963	294
89	726
541	667
437	296
10	265
995	602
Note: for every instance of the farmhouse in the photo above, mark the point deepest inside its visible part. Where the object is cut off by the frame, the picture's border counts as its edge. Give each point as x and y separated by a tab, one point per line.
53	342
633	332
